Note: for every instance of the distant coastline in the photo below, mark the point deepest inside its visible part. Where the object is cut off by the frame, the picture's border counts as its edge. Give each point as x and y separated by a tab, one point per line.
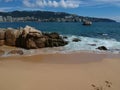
46	16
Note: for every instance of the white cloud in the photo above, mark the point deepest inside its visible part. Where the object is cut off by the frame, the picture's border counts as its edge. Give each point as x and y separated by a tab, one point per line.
52	3
27	3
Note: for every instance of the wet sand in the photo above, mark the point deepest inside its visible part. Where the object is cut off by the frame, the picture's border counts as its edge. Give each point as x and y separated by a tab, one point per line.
76	71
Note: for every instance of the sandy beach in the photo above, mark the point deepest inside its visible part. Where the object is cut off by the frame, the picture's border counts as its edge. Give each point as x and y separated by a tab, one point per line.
75	71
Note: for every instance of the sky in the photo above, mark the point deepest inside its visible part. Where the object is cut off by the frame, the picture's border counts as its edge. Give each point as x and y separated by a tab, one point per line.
92	8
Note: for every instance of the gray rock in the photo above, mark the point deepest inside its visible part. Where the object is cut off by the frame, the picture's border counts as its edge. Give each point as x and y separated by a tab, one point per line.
65	37
102	48
92	44
76	40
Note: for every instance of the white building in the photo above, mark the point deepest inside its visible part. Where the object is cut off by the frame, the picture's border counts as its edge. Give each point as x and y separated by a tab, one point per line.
1	18
9	18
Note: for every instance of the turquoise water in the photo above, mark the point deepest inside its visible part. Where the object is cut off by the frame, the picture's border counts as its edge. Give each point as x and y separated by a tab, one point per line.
99	33
97	30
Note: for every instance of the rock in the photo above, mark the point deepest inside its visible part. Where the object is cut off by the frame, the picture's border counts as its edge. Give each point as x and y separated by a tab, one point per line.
54	35
30	44
76	40
29	29
19	52
40	42
31	38
102	48
2	52
11	37
2	42
65	37
2	35
92	44
28	37
34	40
55	42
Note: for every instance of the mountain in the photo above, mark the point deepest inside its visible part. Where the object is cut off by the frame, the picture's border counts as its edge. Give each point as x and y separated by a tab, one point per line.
47	16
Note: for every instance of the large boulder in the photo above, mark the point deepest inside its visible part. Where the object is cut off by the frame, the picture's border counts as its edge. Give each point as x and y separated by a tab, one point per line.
19	52
28	37
30	44
40	42
2	35
11	37
55	42
2	42
29	29
54	35
102	48
31	38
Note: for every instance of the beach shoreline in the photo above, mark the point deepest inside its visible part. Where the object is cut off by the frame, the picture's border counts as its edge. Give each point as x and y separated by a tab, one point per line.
75	57
73	71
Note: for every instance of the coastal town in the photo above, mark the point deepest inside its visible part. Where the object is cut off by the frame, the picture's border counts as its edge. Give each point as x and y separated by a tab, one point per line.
46	16
28	18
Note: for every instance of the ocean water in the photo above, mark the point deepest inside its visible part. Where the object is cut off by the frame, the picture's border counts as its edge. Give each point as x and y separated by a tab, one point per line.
98	34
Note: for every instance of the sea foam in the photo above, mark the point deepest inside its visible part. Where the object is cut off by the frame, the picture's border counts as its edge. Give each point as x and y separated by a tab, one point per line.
90	44
86	44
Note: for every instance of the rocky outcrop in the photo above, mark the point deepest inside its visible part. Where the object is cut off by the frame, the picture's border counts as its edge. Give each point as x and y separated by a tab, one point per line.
31	30
19	52
102	48
11	37
41	42
31	38
2	42
2	37
2	34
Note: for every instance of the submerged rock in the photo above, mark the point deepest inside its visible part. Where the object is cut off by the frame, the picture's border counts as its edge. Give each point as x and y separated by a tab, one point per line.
76	40
65	37
102	48
19	52
92	44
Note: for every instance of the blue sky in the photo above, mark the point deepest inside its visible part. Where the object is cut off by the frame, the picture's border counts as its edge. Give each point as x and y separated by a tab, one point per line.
93	8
